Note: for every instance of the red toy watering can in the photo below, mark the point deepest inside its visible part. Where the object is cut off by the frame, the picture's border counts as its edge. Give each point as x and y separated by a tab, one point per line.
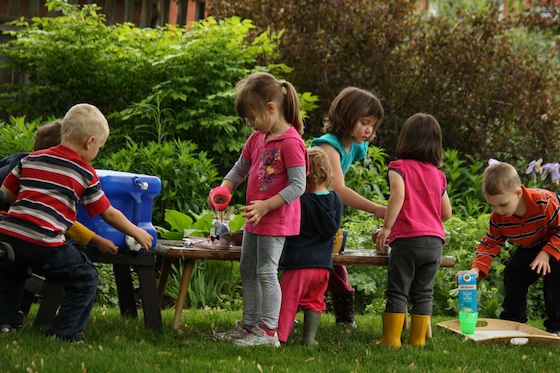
220	198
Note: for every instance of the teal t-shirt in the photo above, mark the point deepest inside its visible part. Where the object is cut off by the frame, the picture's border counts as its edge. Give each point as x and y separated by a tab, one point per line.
356	153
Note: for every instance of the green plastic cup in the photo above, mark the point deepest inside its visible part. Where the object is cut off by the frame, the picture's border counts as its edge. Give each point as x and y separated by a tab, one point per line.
467	320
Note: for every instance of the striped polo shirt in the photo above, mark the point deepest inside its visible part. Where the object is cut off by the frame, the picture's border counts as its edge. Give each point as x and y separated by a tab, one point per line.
538	227
49	184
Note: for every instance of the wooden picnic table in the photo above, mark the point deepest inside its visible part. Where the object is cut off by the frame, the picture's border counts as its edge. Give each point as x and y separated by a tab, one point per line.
201	249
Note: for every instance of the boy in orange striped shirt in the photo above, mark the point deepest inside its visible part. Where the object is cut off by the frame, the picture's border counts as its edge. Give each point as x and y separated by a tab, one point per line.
530	218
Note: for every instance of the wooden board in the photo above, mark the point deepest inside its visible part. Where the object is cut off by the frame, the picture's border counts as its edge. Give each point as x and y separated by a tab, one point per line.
503	331
206	243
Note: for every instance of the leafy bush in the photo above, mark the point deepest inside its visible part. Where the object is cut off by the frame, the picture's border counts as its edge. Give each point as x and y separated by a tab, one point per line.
464	184
213	283
494	94
186	174
17	136
154	84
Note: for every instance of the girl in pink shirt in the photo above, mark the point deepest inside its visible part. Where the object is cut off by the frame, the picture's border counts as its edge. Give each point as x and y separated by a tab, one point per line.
413	225
274	159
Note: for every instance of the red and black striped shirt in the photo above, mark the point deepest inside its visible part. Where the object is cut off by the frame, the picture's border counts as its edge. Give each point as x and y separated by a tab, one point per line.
49	184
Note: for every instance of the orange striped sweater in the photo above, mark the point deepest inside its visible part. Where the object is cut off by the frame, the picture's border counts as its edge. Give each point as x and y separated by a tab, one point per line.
538	226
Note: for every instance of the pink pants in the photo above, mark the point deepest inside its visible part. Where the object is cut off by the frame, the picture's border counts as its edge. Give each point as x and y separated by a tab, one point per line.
303	288
338	281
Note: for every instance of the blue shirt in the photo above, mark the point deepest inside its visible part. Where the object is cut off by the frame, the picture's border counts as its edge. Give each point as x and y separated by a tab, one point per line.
356	153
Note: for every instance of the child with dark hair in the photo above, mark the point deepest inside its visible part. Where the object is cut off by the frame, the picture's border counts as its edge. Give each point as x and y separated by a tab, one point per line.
417	206
307	258
354	116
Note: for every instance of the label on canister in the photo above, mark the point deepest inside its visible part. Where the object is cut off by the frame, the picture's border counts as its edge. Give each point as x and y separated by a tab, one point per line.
466	281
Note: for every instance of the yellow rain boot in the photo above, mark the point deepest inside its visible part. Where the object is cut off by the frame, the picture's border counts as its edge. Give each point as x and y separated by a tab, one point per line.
392	328
418	329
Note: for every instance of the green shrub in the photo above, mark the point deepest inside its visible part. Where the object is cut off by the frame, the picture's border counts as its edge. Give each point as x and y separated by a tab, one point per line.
153	84
17	135
186	173
464	184
494	94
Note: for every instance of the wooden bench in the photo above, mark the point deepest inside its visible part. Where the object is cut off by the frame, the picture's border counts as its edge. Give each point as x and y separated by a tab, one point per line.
143	263
173	251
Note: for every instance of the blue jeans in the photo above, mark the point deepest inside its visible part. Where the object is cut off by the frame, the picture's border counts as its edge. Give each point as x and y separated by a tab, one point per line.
62	265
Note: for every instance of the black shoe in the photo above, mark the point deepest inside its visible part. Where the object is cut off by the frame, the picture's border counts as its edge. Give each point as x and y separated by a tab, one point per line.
75	340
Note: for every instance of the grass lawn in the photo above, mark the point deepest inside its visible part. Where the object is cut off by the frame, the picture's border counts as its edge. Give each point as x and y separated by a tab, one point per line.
116	344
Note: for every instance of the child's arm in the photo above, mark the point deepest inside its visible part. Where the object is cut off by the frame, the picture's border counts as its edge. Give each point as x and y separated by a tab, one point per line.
394	206
255	210
446	210
348	195
84	236
119	221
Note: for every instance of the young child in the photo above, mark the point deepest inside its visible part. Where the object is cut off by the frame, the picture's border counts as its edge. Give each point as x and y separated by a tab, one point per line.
44	191
413	225
354	116
530	218
307	258
275	160
48	136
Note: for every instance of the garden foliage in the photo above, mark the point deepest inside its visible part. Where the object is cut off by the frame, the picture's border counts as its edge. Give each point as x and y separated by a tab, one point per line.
168	93
490	81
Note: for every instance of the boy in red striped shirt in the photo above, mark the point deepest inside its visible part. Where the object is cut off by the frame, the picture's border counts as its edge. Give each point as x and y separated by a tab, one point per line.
44	191
530	218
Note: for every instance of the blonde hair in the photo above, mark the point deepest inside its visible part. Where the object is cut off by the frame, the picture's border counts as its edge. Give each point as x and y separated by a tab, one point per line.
500	178
256	90
82	121
320	170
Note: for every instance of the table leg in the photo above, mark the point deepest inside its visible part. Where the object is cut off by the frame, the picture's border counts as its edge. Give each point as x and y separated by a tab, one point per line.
185	279
163	275
150	300
125	290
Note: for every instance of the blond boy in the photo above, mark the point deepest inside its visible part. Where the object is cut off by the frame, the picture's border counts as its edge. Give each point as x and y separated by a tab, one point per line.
530	218
44	191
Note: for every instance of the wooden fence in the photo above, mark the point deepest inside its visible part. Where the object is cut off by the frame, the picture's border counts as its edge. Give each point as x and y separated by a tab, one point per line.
143	13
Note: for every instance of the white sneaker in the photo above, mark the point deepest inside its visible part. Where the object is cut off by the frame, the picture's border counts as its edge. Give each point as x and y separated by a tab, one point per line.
258	337
229	335
6	328
348	324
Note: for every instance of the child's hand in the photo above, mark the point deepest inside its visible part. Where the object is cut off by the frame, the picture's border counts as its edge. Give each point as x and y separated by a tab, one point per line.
104	245
144	239
541	264
476	271
255	211
382	237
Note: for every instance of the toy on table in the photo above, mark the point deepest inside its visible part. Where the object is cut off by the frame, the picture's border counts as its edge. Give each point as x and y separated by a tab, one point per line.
386	248
220	233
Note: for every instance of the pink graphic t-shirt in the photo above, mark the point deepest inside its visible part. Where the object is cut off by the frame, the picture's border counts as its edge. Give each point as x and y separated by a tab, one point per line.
268	175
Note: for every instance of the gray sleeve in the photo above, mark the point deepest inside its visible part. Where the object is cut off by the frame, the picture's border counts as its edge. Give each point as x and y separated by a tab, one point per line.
239	171
296	188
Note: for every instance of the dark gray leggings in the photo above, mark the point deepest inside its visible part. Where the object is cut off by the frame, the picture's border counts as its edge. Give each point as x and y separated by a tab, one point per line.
411	273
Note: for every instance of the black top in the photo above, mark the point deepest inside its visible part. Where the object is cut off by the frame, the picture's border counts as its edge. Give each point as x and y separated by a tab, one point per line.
321	215
8	163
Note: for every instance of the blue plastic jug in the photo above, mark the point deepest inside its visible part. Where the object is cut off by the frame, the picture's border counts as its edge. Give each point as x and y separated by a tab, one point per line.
133	195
